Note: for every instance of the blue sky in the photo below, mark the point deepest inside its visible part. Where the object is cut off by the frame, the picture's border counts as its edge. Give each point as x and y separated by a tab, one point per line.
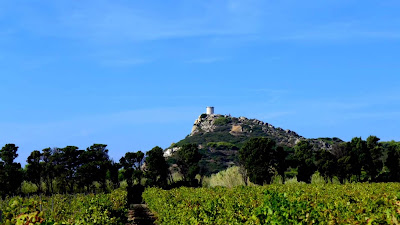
136	74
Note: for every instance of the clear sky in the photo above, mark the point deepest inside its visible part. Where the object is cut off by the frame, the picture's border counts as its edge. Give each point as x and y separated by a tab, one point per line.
136	74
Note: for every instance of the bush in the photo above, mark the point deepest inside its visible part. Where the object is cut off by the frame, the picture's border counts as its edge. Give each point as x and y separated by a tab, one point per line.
230	177
222	121
316	178
277	179
293	180
28	187
222	145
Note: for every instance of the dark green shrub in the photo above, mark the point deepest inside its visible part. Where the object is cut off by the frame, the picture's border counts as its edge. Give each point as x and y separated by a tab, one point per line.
222	121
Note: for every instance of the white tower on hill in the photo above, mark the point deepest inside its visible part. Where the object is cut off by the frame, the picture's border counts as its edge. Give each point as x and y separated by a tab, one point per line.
210	110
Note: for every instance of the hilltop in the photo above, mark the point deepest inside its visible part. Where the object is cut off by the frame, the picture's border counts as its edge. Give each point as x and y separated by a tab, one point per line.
221	136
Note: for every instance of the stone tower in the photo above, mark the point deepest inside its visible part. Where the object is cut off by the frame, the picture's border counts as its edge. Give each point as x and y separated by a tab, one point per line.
210	110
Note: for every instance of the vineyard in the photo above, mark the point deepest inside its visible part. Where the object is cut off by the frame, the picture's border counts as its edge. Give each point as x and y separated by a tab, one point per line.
278	204
65	209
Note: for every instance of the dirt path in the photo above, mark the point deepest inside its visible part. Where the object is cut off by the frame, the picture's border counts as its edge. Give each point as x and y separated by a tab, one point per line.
139	214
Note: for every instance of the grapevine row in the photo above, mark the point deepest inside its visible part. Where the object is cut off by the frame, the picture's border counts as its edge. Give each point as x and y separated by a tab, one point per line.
278	204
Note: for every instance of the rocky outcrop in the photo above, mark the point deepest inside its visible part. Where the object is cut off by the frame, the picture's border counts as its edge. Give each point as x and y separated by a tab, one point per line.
244	127
205	123
168	152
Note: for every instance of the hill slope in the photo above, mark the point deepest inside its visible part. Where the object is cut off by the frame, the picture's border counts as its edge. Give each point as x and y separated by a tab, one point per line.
220	137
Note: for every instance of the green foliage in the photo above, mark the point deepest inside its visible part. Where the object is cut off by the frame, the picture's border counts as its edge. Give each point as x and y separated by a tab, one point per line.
113	174
66	161
218	136
282	163
316	178
331	141
61	170
292	181
222	145
393	160
94	166
230	177
66	209
326	163
156	167
357	160
8	153
304	155
132	163
290	173
34	169
278	204
220	121
258	156
188	158
373	162
48	169
277	209
28	187
11	174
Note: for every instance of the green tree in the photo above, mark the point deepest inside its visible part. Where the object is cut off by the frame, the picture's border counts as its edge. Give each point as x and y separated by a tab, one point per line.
281	162
357	149
187	159
375	151
157	171
359	160
66	163
393	161
34	170
10	172
94	166
48	169
132	163
305	158
343	160
258	157
326	163
113	173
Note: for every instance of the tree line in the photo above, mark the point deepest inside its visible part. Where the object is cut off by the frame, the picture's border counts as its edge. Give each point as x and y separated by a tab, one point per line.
355	161
73	170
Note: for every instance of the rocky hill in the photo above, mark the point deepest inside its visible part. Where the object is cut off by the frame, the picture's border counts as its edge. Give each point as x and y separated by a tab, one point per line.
221	136
243	127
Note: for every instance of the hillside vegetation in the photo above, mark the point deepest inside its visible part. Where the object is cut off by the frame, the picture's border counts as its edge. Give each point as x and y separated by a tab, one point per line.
219	138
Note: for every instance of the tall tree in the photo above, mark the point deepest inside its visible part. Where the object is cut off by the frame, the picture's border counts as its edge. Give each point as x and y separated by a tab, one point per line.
326	163
188	158
11	172
344	161
258	157
113	172
359	160
281	163
67	162
132	163
94	166
48	168
357	149
375	152
156	167
393	161
305	160
34	170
